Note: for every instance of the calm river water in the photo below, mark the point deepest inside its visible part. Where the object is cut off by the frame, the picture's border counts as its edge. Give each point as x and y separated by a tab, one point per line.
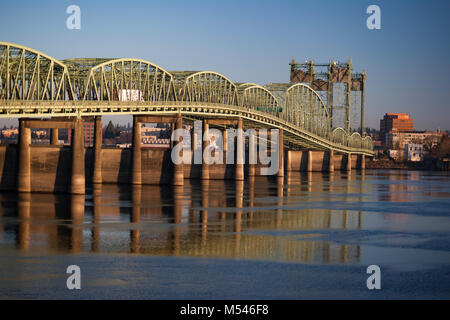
305	236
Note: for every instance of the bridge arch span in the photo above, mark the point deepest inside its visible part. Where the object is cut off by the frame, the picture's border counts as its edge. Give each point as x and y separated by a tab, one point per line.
124	79
339	136
210	87
355	140
256	97
28	74
304	107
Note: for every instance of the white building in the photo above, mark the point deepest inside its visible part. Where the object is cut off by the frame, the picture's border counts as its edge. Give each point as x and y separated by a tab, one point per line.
398	140
413	152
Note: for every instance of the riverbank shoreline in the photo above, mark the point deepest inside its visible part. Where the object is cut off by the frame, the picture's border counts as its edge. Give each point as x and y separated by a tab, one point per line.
428	165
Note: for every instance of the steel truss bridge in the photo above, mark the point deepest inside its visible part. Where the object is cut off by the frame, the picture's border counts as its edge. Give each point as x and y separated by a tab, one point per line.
33	84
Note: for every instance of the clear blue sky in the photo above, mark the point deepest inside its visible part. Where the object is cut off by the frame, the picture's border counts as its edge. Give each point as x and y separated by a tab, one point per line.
407	61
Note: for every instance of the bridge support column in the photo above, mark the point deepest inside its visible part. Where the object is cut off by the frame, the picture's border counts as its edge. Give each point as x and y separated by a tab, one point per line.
98	139
78	178
54	136
225	140
280	154
24	174
310	161
239	173
178	174
363	162
136	174
331	161
194	141
288	160
349	163
172	125
205	145
224	145
252	155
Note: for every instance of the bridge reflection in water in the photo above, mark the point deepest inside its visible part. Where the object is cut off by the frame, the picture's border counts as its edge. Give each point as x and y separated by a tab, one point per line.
267	219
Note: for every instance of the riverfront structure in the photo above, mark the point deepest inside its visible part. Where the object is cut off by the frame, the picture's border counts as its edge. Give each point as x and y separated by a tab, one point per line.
47	93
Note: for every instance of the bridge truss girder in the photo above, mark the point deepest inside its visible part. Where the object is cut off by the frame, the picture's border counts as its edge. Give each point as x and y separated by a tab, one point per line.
27	74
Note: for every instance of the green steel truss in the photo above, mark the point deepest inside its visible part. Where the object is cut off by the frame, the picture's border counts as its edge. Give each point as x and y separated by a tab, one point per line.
33	84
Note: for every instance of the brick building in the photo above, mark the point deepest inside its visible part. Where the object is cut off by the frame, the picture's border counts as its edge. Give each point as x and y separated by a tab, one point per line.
399	122
89	133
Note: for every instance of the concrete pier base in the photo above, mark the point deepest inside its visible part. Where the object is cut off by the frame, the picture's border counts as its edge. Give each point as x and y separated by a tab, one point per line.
78	177
24	174
239	173
54	136
310	161
98	139
349	163
280	155
136	175
205	145
252	157
178	173
288	160
331	161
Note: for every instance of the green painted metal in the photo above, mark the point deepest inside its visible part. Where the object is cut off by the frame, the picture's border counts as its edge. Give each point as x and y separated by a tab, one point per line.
33	84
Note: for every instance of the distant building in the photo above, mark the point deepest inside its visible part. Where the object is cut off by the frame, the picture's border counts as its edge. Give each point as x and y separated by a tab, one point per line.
8	133
398	140
89	134
413	152
400	122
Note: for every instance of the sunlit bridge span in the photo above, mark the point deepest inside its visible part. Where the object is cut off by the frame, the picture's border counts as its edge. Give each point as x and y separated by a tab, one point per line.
35	85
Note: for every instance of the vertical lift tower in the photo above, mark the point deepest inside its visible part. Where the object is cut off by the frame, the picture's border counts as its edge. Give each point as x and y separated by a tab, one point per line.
323	77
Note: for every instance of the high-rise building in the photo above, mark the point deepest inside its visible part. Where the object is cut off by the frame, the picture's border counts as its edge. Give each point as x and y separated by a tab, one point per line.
400	122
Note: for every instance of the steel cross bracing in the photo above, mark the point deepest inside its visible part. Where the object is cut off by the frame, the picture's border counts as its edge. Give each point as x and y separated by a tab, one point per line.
33	84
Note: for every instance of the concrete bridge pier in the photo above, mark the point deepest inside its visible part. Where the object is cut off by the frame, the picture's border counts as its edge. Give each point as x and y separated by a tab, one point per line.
24	174
362	159
205	145
98	139
54	136
280	155
331	161
225	140
239	173
136	174
252	140
193	141
224	145
288	160
78	170
310	161
349	163
178	173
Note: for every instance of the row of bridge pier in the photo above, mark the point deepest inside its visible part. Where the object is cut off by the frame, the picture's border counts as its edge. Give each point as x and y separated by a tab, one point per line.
288	160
